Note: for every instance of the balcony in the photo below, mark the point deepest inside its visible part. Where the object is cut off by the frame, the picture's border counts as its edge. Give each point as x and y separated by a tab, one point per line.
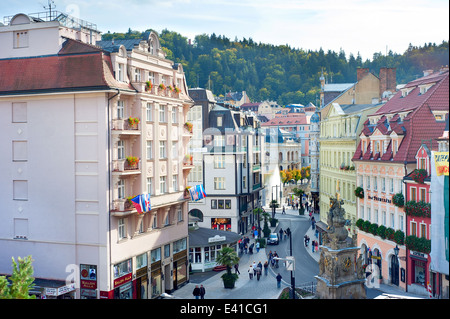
126	167
122	207
130	126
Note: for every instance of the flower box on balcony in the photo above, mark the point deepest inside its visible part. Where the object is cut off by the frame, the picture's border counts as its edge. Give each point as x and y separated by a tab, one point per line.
419	209
188	159
162	87
133	122
189	126
419	175
148	85
132	162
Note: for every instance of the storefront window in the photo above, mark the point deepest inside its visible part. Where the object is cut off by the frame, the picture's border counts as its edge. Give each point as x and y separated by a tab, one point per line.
206	254
197	255
179	245
156	283
181	272
122	268
419	272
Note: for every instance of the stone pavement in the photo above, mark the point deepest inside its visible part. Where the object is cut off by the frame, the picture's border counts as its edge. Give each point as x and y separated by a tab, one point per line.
266	287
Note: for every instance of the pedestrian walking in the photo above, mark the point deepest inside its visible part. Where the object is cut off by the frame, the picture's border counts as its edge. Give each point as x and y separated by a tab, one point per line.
284	212
236	269
281	234
266	268
250	272
313	245
245	248
196	292
202	292
257	246
254	266
258	273
279	280
269	256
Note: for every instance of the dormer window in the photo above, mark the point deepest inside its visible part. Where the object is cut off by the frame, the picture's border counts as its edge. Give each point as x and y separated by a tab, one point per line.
439	115
405	91
425	87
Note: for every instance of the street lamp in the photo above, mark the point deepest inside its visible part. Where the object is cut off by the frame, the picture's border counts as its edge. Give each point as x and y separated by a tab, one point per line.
396	250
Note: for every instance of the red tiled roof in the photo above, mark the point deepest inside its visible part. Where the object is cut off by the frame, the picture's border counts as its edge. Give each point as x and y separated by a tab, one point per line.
419	125
287	121
72	70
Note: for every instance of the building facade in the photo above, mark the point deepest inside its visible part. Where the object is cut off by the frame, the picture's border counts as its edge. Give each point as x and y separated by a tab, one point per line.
386	154
86	132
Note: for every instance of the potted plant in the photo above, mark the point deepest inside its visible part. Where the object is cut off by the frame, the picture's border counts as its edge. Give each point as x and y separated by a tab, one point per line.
148	85
189	126
398	200
162	87
133	122
227	257
359	192
188	159
132	161
419	175
170	88
177	90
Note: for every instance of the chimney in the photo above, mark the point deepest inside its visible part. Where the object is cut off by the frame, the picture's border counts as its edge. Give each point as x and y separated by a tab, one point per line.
427	72
388	80
361	72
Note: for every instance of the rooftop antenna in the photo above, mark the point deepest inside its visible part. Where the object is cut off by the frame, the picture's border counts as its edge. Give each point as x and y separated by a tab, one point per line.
51	5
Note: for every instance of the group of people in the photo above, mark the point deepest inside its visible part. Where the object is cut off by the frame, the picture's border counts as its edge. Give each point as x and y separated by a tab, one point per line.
199	292
270	257
255	270
246	247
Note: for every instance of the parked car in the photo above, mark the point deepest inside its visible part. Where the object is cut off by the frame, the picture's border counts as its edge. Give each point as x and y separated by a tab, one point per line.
273	239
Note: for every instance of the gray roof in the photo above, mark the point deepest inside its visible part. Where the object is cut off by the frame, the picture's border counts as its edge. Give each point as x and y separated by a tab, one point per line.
352	108
114	47
199	237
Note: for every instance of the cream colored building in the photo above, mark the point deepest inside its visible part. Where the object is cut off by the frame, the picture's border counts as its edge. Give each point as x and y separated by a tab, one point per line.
66	110
339	137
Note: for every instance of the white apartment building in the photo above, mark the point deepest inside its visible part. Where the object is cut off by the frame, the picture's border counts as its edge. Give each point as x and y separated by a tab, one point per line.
74	116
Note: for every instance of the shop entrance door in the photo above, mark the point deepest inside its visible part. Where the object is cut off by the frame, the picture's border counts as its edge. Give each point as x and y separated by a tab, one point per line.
394	271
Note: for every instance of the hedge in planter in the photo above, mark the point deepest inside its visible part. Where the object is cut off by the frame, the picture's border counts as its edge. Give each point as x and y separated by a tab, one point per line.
381	231
398	200
390	233
422	245
365	226
373	228
399	237
359	223
419	209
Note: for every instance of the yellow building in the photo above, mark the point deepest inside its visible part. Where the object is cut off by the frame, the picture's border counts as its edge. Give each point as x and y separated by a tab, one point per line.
339	137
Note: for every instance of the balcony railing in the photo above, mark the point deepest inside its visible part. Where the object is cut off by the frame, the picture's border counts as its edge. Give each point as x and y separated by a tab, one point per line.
122	165
125	125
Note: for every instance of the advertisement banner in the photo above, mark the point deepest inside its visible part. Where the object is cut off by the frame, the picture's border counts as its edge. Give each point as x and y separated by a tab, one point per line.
441	162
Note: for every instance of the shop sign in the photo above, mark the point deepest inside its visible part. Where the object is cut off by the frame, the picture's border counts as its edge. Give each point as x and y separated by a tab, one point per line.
88	276
418	254
88	293
384	200
441	162
216	238
122	280
60	290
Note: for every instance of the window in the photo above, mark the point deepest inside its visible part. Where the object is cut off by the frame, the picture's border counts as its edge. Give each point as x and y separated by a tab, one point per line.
175	183
166	250
162	149
392	221
174	115
180	215
20	190
141	226
244	182
121	228
375	183
400	222
219	161
361	212
368	182
120	150
413	194
376	216
368	214
162	113
19	112
423	230
120	72
214	204
413	229
228	204
155	221
423	194
220	204
383	218
219	183
155	255
120	108
383	184
162	184
122	268
20	153
149	112
167	219
422	164
149	185
391	185
21	39
121	189
219	140
179	245
219	121
149	150
137	75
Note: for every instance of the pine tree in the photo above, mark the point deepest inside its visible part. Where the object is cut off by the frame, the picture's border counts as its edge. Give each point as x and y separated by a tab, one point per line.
21	280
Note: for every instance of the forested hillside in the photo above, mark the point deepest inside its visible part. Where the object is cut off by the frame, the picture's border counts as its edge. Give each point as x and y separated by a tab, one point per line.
281	73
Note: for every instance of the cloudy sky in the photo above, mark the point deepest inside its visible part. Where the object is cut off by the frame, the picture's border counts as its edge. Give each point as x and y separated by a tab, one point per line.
364	26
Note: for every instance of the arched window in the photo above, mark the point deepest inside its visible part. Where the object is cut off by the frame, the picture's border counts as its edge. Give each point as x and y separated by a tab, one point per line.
196	213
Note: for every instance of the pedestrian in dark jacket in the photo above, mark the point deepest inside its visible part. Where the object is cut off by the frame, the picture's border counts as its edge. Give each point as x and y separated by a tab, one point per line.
279	280
236	269
202	292
196	292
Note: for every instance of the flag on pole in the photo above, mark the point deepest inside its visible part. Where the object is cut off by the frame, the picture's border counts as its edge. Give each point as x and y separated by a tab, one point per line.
197	192
142	203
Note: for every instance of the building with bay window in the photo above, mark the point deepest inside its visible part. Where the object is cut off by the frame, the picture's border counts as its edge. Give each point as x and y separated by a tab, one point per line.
87	125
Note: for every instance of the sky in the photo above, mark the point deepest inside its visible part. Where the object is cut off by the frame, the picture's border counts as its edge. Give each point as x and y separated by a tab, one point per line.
355	26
